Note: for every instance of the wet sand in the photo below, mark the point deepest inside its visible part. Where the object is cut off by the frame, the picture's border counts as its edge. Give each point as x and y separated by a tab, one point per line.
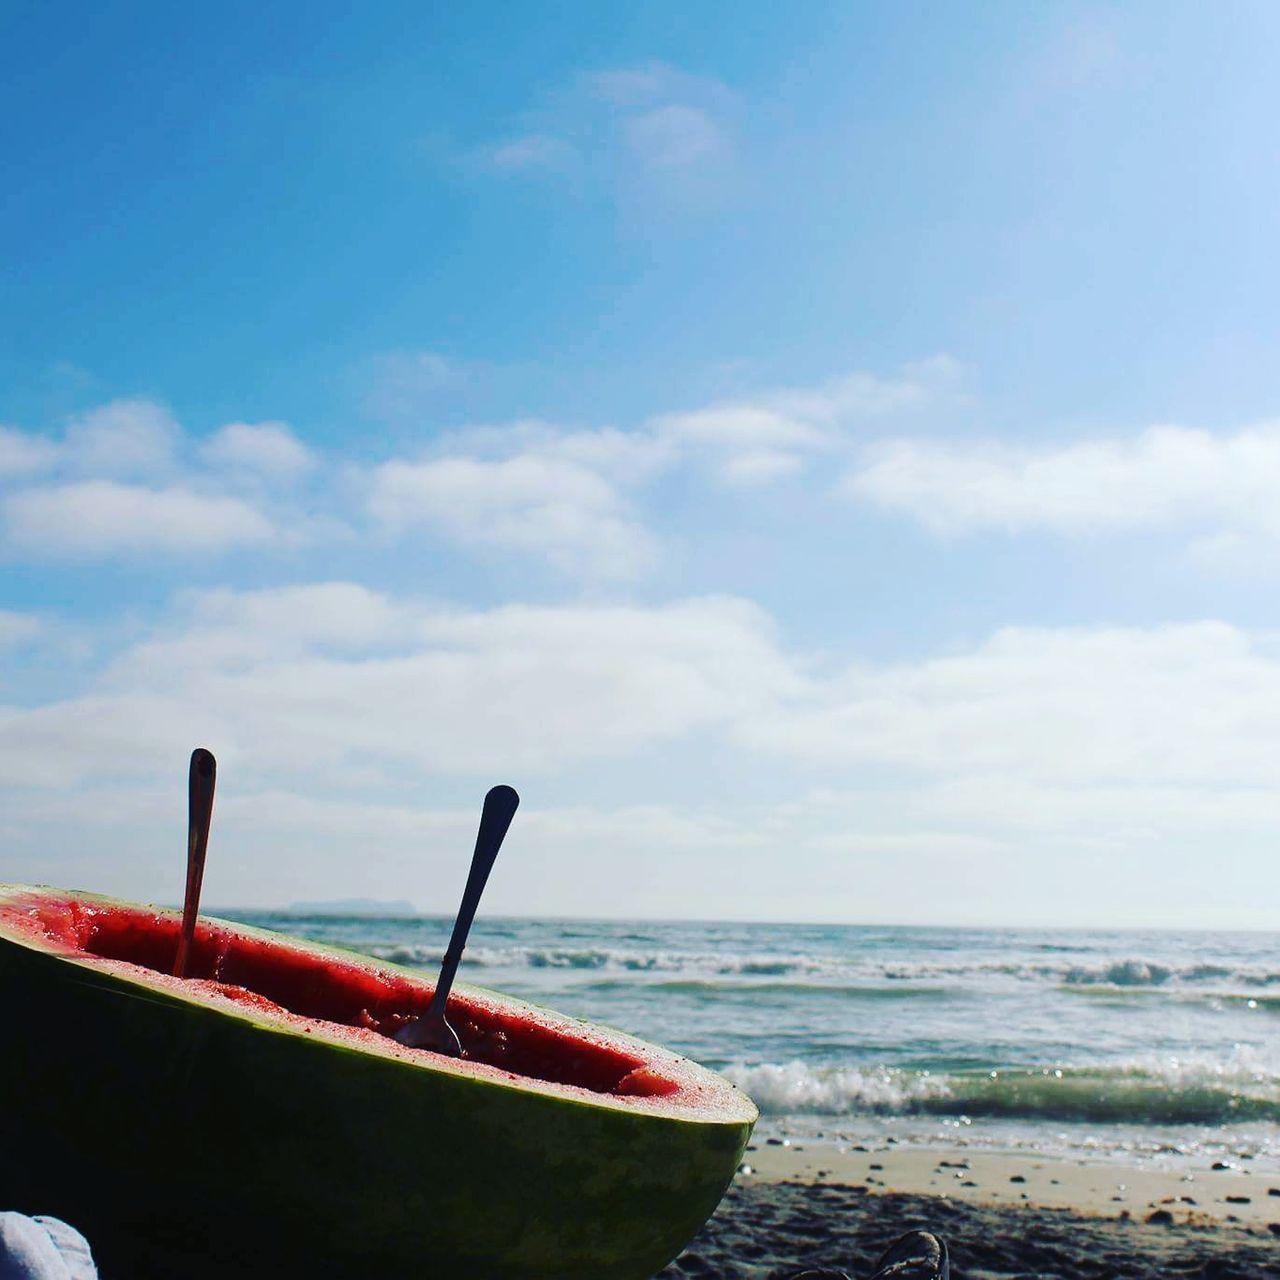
1002	1216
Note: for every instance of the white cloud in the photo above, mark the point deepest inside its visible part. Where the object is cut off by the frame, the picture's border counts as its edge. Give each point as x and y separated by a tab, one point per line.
740	426
761	466
539	489
405	384
123	438
776	433
744	443
860	396
17	628
268	447
1195	704
571	497
21	453
333	670
231	632
529	502
326	681
648	131
126	481
623	457
652	84
532	152
342	615
1163	477
533	488
674	136
958	786
98	519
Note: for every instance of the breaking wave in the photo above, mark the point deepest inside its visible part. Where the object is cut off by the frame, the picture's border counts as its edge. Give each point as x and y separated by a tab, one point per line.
805	971
1197	1092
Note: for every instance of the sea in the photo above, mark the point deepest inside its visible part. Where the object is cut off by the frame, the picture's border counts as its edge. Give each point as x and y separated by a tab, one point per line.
1129	1046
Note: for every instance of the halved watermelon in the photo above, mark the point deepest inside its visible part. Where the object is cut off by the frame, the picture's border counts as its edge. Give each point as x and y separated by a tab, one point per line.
257	1119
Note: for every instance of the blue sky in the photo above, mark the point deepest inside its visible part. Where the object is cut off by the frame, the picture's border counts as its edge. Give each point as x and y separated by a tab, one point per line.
827	459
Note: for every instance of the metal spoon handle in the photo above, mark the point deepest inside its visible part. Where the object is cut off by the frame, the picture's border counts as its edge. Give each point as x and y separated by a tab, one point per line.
495	818
201	780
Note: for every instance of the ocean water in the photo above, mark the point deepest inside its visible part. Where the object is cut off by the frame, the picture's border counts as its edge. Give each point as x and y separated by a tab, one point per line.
1143	1046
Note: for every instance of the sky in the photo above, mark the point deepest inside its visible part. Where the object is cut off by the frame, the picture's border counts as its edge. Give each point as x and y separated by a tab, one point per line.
826	457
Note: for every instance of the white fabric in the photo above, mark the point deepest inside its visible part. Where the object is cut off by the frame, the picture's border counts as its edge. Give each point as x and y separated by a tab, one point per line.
43	1248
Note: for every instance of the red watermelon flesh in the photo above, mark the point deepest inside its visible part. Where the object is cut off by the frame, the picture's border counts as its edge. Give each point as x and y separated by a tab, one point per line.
282	980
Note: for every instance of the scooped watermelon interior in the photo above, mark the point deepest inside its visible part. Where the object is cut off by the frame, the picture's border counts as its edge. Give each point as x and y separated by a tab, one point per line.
277	978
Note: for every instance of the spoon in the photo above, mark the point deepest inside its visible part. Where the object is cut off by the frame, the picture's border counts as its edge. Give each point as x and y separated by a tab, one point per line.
432	1030
200	783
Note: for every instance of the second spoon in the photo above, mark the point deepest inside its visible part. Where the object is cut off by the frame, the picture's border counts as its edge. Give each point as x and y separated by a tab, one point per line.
432	1030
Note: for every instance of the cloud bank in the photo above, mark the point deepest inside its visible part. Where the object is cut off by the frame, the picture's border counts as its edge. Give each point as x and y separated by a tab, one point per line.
1160	478
326	702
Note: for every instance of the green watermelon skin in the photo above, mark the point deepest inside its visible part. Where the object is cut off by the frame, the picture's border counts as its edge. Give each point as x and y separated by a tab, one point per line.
186	1140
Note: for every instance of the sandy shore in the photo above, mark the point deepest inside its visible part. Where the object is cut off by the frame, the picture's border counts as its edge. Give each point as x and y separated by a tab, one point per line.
794	1205
1232	1195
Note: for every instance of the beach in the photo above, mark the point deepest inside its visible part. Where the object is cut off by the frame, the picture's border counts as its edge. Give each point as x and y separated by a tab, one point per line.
1053	1102
1002	1215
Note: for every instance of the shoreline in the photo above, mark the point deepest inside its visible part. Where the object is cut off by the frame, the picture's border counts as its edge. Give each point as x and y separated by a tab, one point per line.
797	1204
1191	1193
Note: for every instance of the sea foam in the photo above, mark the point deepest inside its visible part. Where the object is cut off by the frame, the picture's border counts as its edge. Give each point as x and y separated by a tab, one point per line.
1243	1085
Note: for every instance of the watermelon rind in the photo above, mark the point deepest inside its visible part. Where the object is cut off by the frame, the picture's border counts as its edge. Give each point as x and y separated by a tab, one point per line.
186	1135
